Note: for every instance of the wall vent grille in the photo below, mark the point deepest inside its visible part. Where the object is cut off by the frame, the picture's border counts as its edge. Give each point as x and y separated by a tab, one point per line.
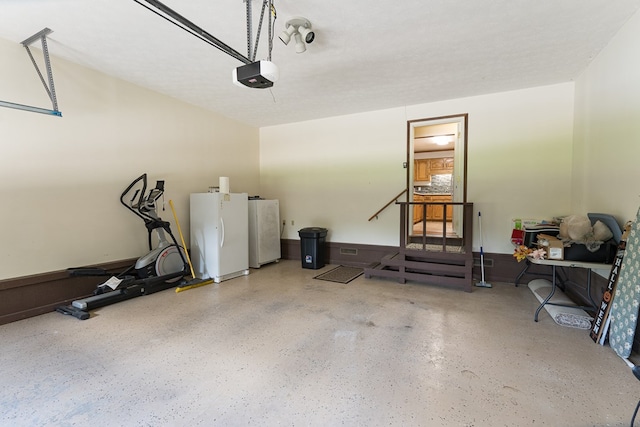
348	251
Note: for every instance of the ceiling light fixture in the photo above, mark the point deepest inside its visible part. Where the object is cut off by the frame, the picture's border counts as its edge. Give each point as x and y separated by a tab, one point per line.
300	47
286	34
441	140
307	34
300	29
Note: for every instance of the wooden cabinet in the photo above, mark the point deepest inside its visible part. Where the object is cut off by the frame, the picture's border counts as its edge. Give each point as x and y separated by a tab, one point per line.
449	212
433	212
418	210
436	164
424	168
448	164
441	166
439	211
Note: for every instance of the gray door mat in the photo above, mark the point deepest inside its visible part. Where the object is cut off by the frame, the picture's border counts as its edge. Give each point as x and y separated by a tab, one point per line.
341	274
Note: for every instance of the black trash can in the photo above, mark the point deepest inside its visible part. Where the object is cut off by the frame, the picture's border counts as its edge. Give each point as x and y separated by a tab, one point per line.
312	247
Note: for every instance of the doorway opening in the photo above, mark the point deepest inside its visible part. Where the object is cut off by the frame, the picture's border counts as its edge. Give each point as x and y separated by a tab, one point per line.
437	173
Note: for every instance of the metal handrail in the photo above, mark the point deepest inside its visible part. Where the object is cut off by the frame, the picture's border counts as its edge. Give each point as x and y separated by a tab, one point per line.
375	215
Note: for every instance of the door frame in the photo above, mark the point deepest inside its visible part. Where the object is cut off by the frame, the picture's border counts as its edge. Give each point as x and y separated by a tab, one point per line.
460	161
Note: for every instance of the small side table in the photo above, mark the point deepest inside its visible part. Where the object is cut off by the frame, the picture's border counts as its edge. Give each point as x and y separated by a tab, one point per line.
554	264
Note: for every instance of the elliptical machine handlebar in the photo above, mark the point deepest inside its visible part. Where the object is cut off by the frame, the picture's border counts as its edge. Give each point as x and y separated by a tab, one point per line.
143	204
139	192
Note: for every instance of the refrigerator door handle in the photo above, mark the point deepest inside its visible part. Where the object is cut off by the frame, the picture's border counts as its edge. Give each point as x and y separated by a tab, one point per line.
221	232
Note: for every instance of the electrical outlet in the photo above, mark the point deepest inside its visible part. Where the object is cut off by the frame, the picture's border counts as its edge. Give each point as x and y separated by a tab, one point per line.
284	222
292	222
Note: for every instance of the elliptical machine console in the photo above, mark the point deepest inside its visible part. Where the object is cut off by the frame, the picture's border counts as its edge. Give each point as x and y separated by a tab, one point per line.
155	271
167	258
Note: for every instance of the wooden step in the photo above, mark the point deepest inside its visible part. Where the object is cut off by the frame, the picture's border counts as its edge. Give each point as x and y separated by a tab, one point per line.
448	271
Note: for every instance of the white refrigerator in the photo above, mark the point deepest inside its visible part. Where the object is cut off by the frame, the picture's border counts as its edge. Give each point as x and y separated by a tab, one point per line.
264	232
219	235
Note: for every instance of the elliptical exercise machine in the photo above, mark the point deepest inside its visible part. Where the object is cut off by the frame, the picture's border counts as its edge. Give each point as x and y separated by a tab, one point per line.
155	271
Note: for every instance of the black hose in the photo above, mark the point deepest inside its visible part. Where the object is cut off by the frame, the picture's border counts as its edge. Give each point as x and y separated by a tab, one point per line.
633	419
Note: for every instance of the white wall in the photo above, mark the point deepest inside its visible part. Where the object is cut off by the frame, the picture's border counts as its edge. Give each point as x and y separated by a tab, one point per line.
533	153
607	142
61	178
337	172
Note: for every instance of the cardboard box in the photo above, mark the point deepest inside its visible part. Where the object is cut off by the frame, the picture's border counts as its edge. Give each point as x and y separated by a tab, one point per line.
552	246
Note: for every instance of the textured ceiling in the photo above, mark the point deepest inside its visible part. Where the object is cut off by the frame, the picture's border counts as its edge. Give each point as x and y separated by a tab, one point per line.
368	55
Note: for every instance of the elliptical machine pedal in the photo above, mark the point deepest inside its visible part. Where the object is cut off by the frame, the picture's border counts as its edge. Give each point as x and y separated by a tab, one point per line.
73	311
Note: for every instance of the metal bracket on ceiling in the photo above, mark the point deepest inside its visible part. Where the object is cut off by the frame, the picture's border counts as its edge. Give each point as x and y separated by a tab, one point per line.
50	88
180	21
265	4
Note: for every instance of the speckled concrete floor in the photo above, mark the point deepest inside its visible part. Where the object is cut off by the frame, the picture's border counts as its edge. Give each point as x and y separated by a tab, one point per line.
280	348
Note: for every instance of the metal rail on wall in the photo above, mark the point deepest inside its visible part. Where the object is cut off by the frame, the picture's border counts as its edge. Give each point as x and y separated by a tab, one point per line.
375	215
50	88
